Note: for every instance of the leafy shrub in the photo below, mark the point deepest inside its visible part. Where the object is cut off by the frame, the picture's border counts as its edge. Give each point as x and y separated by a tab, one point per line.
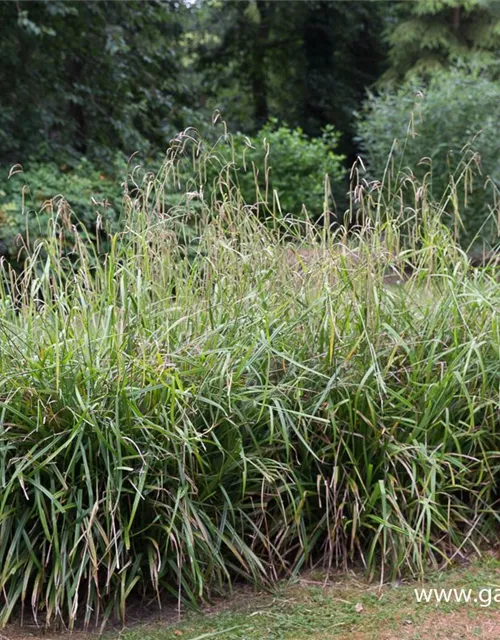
277	158
457	108
292	164
29	197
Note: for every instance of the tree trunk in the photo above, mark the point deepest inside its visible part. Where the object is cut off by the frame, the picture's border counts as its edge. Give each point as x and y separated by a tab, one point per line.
76	110
319	48
259	83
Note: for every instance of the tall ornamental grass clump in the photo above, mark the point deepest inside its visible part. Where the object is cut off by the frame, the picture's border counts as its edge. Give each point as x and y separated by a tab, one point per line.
172	419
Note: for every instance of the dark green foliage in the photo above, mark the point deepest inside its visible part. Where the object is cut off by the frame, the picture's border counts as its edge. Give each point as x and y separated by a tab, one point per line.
306	63
457	108
433	34
88	78
240	46
86	195
342	54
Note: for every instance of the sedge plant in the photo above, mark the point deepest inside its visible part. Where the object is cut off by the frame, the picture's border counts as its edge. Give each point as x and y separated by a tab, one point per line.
224	396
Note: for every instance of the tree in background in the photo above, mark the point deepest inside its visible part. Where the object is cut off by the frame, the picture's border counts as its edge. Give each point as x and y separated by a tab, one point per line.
88	78
306	63
430	35
242	43
342	54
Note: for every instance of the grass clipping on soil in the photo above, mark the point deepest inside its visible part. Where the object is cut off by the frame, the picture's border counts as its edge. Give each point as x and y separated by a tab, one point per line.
228	395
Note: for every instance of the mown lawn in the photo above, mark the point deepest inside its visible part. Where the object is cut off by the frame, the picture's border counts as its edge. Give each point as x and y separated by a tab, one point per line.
319	608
